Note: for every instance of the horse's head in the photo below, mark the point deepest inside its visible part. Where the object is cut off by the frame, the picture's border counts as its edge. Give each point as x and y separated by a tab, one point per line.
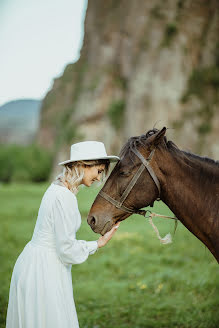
104	214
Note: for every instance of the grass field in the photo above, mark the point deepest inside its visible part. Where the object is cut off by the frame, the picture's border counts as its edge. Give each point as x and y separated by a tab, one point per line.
133	281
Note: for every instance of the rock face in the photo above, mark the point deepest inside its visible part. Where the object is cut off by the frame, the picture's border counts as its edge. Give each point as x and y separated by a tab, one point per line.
142	63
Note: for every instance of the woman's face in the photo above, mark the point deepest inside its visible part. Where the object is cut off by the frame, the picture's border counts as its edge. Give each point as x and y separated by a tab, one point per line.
92	173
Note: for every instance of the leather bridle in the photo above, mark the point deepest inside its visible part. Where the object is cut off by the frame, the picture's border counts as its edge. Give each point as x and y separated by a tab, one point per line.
145	165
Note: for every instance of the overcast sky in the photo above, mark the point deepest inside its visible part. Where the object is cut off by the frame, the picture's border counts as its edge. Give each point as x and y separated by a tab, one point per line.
37	39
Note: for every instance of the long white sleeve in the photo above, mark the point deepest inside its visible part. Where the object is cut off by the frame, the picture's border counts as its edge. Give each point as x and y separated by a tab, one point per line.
66	220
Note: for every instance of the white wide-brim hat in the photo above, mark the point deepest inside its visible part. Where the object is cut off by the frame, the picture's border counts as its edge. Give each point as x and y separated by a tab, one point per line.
87	151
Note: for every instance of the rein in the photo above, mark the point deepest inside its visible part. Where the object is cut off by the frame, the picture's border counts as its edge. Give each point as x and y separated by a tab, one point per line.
119	203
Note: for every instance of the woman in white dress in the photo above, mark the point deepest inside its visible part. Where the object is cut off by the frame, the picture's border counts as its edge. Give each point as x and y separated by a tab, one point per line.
41	294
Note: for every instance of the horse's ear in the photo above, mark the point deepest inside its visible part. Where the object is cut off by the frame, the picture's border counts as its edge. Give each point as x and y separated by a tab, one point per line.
158	137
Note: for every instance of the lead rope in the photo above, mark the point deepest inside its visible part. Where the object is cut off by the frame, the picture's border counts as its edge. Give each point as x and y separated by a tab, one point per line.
166	239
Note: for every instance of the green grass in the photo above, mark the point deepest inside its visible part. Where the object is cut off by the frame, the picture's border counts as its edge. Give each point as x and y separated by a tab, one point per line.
133	281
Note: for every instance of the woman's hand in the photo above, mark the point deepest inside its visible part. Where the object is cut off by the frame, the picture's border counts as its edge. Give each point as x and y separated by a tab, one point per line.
103	240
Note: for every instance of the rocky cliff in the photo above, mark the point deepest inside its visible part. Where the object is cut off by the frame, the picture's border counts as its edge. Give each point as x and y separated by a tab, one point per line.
142	63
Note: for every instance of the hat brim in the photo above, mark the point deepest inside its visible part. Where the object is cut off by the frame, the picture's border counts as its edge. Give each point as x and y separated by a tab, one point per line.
110	158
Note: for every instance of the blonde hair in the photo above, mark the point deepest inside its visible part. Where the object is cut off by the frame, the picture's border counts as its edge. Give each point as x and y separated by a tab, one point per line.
73	172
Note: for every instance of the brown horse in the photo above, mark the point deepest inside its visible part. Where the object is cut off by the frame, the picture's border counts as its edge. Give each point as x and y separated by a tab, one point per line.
152	167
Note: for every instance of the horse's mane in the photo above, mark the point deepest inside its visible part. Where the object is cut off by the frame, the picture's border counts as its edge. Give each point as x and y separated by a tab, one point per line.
134	142
174	149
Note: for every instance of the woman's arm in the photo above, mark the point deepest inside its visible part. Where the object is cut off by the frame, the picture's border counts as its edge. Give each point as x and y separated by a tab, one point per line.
65	215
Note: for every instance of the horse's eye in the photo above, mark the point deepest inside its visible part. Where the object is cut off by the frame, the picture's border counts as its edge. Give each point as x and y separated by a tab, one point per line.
124	173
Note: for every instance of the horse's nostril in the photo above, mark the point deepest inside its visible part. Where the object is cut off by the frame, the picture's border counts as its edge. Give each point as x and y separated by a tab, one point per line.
93	221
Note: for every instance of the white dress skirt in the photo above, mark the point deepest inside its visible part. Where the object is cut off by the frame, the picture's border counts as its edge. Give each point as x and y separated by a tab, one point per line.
41	293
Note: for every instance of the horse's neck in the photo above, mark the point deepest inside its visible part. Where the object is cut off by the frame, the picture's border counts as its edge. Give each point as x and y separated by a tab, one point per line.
191	183
190	189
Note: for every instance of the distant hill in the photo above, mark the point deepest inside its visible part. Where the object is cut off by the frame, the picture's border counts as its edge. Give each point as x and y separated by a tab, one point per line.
19	121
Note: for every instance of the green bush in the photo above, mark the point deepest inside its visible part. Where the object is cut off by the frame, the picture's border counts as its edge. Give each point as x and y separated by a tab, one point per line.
116	113
5	164
200	80
24	164
170	32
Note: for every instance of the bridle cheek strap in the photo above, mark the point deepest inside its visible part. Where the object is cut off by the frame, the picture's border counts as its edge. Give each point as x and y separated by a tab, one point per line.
132	183
119	204
145	164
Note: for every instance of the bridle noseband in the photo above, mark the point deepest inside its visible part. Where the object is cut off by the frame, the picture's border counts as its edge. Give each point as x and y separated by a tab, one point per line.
145	164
